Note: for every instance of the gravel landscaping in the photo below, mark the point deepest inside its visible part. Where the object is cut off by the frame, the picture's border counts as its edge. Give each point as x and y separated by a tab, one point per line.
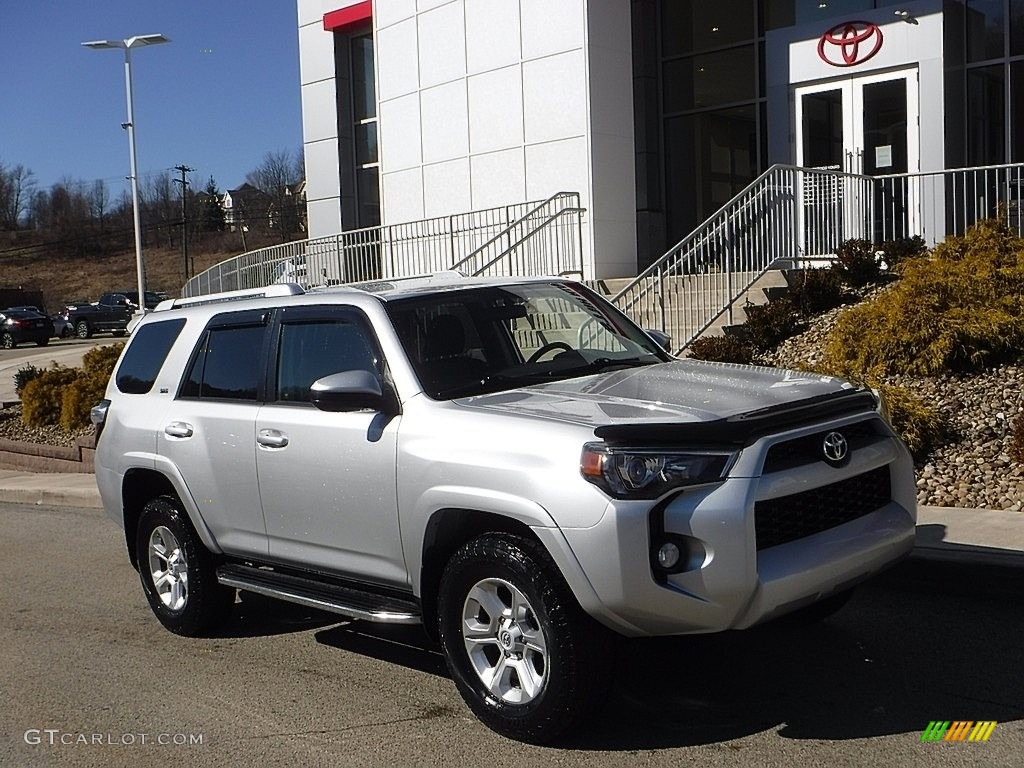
12	428
972	467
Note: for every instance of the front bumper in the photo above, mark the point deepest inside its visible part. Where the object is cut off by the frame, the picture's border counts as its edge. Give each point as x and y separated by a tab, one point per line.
728	583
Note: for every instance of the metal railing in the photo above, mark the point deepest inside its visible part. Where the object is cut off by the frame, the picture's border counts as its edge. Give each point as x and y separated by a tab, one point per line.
396	250
790	216
546	240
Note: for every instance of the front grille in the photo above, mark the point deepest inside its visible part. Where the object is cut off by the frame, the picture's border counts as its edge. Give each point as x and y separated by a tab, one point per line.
807	450
788	518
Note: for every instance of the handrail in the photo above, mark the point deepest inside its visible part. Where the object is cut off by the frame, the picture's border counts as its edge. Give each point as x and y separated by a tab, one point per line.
529	235
505	232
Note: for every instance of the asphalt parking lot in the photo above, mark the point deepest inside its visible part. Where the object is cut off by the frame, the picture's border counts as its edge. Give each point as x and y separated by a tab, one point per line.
81	655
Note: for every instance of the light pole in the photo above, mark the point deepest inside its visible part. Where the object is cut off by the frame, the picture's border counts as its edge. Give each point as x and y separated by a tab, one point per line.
127	45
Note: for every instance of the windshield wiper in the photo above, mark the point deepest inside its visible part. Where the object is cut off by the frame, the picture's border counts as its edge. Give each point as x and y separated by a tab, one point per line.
485	385
601	364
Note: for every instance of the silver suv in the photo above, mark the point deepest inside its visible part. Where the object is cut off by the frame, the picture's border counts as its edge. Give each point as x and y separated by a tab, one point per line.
512	463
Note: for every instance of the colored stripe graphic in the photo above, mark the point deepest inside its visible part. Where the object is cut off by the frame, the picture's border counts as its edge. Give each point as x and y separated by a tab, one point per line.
958	730
935	731
982	730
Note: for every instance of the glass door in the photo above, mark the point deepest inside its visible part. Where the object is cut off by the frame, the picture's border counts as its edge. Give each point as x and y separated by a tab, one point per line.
864	126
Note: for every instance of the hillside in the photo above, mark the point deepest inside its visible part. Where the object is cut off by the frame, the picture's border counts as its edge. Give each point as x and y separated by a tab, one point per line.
69	277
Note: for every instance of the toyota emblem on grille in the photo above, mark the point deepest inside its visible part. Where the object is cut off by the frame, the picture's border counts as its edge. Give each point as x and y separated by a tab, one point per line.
835	447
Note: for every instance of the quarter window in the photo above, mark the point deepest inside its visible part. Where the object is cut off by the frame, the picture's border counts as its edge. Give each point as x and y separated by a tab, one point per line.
145	356
226	365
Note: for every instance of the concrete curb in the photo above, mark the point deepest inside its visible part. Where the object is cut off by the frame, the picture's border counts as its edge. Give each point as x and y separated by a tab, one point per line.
59	490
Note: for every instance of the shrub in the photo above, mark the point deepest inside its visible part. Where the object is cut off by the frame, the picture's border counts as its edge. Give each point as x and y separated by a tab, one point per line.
817	291
770	324
857	263
917	423
962	309
24	375
722	349
1017	439
41	399
78	398
101	360
901	249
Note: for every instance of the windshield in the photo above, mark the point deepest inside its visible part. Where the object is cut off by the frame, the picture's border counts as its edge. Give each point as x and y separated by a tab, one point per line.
479	340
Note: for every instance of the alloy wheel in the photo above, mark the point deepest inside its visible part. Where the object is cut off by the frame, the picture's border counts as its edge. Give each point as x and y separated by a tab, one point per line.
168	568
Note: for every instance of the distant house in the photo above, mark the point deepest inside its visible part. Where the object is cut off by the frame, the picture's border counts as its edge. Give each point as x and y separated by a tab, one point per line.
244	205
295	194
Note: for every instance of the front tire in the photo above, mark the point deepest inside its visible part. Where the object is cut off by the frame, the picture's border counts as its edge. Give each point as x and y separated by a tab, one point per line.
178	573
525	657
82	330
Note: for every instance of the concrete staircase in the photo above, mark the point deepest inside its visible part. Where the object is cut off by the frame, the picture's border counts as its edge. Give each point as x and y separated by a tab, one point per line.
682	303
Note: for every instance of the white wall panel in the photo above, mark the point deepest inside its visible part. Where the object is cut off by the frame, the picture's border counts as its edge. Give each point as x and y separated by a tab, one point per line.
496	110
446	188
323	217
498	178
319	111
555	97
400	135
397	61
316	53
552	26
492	34
388	12
557	166
403	196
445	118
442	45
322	169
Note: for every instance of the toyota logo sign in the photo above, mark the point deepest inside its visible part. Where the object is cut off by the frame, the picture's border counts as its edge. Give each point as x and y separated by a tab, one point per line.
835	447
850	43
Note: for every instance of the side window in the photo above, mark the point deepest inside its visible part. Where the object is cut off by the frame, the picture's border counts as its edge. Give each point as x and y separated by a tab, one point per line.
226	365
313	349
145	355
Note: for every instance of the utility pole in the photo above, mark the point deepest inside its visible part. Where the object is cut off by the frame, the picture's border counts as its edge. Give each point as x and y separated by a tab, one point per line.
183	169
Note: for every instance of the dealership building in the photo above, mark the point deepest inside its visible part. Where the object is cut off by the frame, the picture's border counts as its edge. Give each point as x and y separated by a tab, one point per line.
657	112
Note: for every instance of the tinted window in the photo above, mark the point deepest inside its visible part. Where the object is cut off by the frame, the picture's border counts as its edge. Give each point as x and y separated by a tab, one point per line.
145	356
312	350
227	364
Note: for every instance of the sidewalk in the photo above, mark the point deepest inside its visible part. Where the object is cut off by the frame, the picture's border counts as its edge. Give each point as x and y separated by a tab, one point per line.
943	533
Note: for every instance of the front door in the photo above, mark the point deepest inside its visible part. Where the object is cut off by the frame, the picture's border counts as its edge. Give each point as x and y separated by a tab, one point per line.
865	126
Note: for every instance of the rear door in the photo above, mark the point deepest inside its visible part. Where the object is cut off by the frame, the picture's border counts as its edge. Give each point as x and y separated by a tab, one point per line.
210	429
327	480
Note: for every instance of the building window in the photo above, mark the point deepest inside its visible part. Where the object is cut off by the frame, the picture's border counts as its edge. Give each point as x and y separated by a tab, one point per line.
358	157
984	56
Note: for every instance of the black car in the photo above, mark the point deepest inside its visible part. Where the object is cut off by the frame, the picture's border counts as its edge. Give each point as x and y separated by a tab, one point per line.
20	325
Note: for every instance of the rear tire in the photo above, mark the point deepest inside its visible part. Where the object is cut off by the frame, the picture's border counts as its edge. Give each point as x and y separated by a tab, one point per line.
525	657
82	330
178	573
7	341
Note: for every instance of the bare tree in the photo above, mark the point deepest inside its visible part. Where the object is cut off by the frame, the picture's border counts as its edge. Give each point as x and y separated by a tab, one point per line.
99	199
278	171
17	185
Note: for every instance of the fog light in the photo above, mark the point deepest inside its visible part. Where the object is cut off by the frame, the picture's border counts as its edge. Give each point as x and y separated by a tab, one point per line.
668	555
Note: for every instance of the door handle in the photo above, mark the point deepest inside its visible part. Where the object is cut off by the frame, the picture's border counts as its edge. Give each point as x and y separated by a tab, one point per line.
271	438
178	429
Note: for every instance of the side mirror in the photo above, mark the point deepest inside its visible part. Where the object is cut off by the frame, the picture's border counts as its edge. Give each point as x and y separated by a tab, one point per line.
348	391
660	338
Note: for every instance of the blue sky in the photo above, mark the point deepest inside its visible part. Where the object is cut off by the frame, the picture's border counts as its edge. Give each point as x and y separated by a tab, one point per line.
220	95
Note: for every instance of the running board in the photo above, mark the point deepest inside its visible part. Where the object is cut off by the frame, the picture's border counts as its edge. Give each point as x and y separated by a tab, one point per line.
335	598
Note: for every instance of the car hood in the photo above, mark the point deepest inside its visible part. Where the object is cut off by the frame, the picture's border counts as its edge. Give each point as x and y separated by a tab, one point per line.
679	392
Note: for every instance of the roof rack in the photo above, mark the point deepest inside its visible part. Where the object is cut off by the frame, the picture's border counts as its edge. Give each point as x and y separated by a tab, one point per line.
281	289
390	283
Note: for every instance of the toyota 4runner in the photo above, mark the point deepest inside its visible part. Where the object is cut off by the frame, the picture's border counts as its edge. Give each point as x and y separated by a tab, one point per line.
512	463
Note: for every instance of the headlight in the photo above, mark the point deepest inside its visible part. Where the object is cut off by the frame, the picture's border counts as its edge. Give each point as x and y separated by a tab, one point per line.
641	473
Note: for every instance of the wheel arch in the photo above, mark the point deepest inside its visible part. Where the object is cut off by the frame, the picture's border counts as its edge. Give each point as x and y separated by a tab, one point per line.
140	485
447	530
